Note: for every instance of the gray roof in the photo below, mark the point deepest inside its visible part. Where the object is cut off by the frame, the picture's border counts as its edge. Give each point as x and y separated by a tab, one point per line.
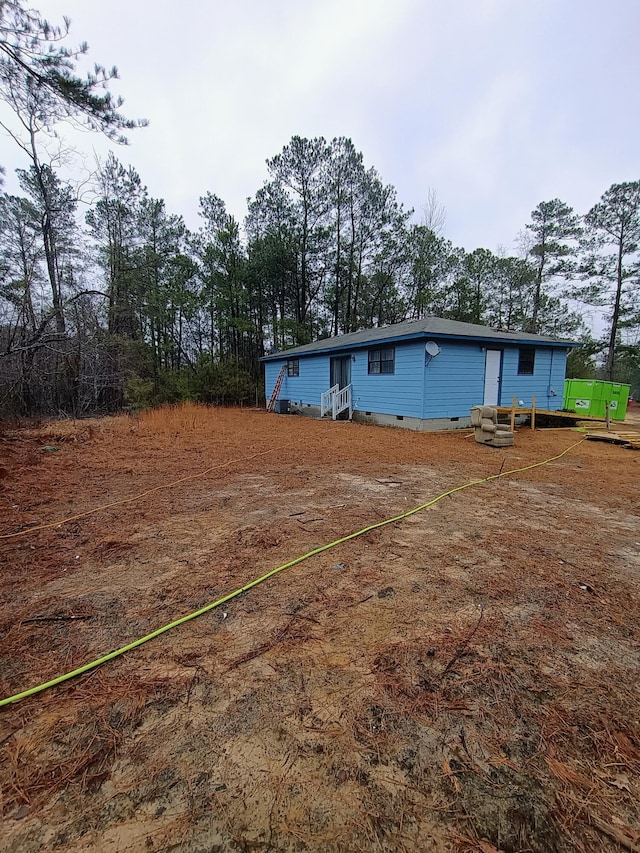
426	327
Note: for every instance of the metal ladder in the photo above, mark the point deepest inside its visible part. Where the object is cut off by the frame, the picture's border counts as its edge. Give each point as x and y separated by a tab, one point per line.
276	389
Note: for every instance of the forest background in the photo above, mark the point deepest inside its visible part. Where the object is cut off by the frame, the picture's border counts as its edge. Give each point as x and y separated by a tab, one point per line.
108	300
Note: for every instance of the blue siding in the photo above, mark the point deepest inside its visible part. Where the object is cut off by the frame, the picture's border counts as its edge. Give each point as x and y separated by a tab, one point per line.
396	394
305	388
454	380
271	370
445	386
548	376
399	393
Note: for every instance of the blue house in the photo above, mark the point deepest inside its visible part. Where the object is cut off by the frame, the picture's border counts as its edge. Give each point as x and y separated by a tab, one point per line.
421	374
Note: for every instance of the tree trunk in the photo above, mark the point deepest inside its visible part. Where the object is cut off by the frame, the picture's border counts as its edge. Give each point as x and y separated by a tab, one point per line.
608	368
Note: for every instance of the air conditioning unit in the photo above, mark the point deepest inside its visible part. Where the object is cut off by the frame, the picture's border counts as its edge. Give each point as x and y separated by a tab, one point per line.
282	407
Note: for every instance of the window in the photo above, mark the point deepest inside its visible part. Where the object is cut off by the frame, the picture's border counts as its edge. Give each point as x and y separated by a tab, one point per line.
293	367
382	360
526	360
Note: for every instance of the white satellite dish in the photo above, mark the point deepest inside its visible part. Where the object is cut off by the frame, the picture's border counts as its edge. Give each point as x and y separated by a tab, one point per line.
431	348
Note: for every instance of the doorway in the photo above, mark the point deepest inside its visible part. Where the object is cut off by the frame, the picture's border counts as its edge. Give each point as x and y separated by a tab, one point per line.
340	375
340	371
492	369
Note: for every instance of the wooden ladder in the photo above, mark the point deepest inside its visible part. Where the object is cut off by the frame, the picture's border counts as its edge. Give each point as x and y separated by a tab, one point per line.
276	389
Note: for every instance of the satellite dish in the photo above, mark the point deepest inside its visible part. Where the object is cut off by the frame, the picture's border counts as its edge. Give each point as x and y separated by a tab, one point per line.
431	348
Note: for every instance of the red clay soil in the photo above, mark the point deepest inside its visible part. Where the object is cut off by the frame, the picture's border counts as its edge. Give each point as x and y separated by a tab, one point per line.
463	680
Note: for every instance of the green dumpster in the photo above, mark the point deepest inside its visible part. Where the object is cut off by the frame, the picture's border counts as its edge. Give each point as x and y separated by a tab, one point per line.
591	396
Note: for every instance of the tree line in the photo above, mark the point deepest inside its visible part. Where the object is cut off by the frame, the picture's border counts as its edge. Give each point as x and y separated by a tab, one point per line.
124	305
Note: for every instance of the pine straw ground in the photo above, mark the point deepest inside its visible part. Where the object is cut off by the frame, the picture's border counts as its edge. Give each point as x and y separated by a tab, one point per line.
463	680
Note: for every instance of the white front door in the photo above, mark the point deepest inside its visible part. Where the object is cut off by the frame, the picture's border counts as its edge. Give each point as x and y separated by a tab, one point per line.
492	364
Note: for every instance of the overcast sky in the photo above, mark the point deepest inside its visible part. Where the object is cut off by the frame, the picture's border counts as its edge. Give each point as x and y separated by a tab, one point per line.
495	104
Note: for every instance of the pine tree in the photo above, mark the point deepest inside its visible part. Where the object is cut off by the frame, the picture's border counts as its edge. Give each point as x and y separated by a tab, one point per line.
612	261
553	229
38	76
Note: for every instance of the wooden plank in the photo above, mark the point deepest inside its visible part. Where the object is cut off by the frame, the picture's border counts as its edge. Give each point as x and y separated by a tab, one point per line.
513	414
566	428
526	410
621	433
611	437
533	414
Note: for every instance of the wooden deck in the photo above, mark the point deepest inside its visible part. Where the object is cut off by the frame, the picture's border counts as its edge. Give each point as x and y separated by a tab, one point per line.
533	411
616	432
575	416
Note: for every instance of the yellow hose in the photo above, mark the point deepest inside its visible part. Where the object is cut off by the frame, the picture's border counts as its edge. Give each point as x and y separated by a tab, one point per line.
111	655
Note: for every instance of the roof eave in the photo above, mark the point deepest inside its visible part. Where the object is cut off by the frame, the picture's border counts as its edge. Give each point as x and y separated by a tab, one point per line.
296	353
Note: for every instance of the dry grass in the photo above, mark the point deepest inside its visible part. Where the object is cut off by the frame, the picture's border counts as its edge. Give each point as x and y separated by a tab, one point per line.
463	681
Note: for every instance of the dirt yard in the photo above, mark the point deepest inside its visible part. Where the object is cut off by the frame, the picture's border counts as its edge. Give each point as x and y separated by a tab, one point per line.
466	679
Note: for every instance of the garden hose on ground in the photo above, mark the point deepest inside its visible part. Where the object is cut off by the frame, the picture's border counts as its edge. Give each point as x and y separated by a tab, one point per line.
111	655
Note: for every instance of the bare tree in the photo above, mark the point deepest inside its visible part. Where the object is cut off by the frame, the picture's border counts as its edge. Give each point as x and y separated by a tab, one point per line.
434	214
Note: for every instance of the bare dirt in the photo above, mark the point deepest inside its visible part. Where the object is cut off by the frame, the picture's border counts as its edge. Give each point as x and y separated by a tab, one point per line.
466	679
